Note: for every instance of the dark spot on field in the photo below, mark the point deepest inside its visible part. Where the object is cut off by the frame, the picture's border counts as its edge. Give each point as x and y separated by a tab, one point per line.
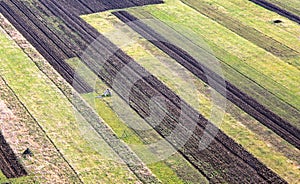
277	21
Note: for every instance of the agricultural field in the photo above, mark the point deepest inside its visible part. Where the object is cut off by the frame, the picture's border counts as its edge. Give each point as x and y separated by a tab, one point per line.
149	91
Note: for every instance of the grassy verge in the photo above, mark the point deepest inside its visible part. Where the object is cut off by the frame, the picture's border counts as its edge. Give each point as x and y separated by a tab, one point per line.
234	126
56	116
134	138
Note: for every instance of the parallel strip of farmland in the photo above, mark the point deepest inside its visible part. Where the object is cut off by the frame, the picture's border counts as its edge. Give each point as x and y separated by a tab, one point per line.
151	86
283	128
41	38
277	9
223	155
269	44
9	164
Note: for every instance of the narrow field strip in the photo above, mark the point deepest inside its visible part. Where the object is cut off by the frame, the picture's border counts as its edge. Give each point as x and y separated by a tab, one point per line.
233	125
93	6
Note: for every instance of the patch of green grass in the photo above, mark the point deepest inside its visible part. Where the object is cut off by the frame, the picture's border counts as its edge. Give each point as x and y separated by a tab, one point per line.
57	117
167	72
3	178
262	20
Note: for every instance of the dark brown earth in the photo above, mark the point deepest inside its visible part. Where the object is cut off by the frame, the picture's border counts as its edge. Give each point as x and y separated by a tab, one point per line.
9	164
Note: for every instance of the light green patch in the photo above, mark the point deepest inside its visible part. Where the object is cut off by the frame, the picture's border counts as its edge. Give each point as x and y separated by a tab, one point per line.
3	179
57	117
141	49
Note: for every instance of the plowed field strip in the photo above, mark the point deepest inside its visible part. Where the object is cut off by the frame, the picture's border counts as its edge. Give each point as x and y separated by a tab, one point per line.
245	102
77	45
42	41
112	68
80	7
277	9
9	163
65	50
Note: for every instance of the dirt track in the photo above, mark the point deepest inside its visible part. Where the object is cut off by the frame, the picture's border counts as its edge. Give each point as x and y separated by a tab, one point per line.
278	10
223	160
